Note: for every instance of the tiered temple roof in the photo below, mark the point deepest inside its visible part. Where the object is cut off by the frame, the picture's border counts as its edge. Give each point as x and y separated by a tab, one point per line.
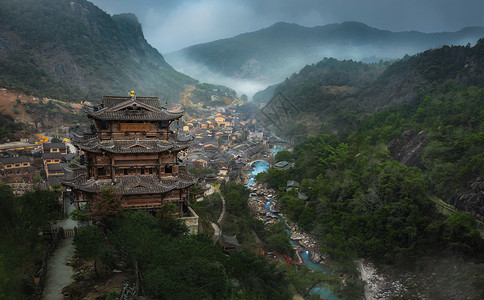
134	185
121	109
93	144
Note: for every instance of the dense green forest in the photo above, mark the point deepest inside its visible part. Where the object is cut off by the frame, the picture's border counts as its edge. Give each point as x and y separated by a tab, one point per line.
73	50
321	86
253	235
9	128
424	111
21	246
176	265
362	203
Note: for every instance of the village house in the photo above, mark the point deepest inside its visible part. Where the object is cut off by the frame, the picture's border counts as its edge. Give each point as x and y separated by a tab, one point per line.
11	153
210	148
54	148
283	165
223	173
55	174
230	244
51	158
16	166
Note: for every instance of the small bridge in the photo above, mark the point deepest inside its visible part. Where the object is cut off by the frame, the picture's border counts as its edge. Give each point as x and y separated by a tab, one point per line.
254	161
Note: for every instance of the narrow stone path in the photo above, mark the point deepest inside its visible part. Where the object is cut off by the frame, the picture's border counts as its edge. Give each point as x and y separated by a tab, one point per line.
59	274
217	229
222	214
216	232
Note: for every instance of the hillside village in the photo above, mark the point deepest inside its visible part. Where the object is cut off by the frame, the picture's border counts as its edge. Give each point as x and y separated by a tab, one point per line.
224	141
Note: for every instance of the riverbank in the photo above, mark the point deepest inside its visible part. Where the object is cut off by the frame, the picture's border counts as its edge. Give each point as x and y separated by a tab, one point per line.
377	285
263	206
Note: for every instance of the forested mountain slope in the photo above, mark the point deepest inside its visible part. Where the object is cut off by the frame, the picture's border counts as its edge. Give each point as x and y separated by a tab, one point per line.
378	160
425	111
339	94
73	50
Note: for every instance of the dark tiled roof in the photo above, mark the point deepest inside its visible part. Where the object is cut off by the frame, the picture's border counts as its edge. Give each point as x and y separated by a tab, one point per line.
232	240
12	153
132	146
118	108
52	155
48	146
127	115
15	160
111	101
68	157
134	185
55	180
54	167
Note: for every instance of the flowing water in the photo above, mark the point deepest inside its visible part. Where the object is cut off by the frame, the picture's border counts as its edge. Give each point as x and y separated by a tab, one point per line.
261	166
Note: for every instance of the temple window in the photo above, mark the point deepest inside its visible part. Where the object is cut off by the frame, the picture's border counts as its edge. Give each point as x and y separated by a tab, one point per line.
164	124
101	171
103	125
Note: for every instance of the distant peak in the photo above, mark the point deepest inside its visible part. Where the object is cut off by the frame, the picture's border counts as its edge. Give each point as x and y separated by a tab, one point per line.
355	24
127	16
284	25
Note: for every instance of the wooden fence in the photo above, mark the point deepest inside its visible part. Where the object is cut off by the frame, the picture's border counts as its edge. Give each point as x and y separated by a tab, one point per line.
130	290
41	274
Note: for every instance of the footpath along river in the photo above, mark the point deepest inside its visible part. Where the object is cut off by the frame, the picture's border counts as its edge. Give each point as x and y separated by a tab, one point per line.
326	293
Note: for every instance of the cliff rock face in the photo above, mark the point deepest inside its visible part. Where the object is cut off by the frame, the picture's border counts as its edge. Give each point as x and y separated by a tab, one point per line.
408	148
65	49
472	199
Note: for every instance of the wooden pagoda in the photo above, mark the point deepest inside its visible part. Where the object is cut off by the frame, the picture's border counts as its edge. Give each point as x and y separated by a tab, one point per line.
130	147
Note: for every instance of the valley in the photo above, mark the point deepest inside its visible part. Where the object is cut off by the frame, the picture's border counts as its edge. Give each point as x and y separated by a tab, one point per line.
337	161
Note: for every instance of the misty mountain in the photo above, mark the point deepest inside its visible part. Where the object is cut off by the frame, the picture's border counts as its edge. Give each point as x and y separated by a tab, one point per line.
74	50
269	55
339	94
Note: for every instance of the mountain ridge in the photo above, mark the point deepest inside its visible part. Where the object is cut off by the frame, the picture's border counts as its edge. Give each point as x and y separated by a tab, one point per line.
271	54
323	87
76	50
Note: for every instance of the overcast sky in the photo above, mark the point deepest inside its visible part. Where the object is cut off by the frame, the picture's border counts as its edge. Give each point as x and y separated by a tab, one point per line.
170	25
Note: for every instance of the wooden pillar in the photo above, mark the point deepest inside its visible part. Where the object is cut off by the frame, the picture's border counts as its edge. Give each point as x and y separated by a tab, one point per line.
159	164
113	171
